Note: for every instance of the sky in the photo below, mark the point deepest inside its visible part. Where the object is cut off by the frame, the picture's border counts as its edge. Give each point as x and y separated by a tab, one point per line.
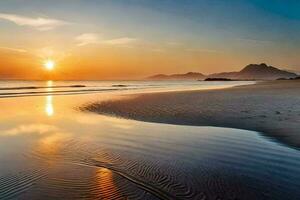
132	39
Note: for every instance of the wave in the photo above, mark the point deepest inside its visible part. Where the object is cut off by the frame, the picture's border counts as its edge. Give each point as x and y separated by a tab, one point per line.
59	92
41	87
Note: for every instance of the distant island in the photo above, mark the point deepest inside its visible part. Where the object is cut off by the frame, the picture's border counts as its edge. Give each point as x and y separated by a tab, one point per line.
189	76
250	72
219	79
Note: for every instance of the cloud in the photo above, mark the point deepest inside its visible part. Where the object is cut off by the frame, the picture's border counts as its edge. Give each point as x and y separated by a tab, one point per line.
41	24
87	38
14	49
254	41
31	128
157	50
94	38
120	41
202	50
174	43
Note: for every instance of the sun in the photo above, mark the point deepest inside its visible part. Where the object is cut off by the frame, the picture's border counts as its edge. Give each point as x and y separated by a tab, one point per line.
49	64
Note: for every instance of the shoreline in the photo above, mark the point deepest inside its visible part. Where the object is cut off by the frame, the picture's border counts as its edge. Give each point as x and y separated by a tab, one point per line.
271	108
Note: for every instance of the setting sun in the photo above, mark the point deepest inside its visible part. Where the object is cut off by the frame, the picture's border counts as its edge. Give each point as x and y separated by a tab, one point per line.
150	99
49	64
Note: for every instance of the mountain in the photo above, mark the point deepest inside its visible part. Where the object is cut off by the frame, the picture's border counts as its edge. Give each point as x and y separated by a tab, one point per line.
256	72
294	71
187	76
250	72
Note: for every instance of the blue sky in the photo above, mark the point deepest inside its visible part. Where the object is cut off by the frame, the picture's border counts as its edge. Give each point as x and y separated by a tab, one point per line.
236	31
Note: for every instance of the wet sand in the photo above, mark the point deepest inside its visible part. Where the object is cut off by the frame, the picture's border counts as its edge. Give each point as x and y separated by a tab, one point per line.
272	108
50	149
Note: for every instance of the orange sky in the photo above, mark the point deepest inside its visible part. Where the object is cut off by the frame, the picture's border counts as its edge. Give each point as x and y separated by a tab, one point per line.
106	62
118	40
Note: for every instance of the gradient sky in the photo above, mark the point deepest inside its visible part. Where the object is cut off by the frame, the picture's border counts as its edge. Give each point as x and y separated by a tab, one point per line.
125	39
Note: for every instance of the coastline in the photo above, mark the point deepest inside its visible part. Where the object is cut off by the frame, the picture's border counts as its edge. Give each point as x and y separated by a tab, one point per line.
270	107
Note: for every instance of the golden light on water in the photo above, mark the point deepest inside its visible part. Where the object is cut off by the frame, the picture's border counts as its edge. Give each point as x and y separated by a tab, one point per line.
49	100
49	106
49	85
107	186
49	65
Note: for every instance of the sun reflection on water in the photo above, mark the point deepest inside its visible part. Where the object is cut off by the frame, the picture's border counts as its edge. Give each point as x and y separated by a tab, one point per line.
107	186
49	106
49	109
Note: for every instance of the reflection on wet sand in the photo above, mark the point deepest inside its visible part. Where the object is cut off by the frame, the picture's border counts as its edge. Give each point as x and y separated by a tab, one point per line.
106	183
49	100
51	144
49	150
49	106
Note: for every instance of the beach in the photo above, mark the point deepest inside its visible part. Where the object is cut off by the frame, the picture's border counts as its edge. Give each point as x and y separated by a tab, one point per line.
149	100
53	147
270	107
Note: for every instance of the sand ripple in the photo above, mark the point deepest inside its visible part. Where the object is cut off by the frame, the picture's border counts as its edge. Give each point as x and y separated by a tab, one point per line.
159	162
15	184
163	177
